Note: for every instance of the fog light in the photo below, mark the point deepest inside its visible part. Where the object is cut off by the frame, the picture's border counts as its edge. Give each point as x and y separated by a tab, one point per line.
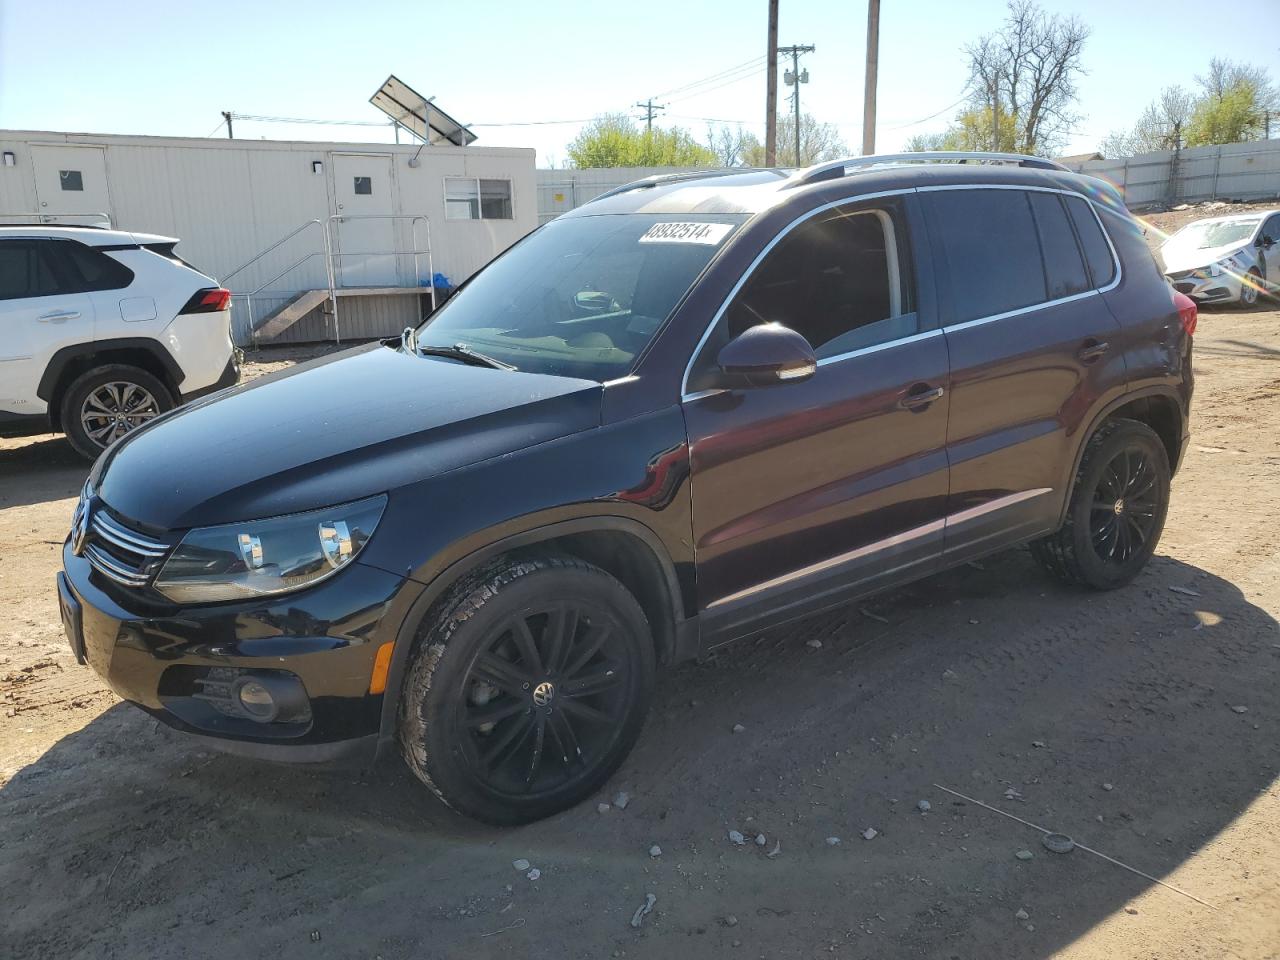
256	700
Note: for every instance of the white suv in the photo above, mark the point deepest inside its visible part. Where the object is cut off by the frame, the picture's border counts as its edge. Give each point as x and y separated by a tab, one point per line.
103	330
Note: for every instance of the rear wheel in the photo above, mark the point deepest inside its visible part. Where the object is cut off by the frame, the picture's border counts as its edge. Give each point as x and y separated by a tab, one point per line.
1117	509
528	690
101	406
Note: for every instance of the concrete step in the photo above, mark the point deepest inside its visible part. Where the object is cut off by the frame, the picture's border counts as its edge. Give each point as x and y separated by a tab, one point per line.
307	300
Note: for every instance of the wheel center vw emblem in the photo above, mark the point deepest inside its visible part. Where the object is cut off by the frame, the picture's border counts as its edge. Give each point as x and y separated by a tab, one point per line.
1118	507
79	530
543	693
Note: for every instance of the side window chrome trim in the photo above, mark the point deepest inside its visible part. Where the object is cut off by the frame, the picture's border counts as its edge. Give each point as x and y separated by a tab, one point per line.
746	275
877	347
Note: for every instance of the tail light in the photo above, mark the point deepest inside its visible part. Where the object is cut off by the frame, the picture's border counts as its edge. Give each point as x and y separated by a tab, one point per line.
208	300
1187	311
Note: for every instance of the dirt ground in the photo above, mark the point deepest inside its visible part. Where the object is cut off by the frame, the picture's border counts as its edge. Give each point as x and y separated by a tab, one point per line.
1144	723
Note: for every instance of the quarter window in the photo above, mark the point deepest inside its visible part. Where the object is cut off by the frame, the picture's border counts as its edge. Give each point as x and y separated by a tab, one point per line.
1064	271
88	269
467	198
1097	252
992	251
26	270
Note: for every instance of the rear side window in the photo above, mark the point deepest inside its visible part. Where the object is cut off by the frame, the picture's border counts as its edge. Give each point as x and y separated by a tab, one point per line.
25	270
88	269
1064	271
1097	252
992	251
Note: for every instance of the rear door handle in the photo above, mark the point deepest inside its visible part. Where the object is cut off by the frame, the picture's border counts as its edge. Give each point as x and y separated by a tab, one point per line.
58	316
1092	350
920	396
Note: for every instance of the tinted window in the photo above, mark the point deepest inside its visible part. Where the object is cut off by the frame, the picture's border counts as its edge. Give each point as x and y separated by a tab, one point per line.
89	269
25	270
839	279
1271	228
1064	271
991	249
581	297
1097	253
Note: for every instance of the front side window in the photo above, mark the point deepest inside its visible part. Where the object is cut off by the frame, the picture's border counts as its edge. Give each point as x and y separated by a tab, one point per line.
468	198
582	296
839	279
26	270
992	251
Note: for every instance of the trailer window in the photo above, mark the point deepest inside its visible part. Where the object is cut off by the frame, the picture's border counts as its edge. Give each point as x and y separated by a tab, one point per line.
472	198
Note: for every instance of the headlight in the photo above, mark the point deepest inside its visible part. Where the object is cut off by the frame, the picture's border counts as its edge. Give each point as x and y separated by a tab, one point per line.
1214	270
262	557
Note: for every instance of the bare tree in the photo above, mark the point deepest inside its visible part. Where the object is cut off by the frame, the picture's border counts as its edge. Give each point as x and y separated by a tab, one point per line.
1226	76
818	142
1023	77
1162	126
728	144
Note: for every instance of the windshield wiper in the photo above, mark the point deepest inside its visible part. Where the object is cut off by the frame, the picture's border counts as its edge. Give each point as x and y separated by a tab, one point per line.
462	352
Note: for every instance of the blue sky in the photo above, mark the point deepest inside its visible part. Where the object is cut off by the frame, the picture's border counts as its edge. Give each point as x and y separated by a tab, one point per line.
165	68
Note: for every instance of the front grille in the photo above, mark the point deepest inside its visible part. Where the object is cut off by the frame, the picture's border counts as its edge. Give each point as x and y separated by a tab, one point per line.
120	554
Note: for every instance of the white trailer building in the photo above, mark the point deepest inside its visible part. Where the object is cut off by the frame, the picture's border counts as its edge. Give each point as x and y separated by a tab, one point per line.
284	223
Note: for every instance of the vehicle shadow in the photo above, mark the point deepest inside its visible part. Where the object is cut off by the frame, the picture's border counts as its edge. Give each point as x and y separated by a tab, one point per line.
39	469
124	840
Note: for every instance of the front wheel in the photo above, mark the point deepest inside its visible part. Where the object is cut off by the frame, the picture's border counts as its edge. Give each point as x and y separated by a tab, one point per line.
528	689
1117	509
1249	288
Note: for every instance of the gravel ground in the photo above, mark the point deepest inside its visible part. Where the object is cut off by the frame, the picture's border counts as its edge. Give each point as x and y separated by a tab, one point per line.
1114	718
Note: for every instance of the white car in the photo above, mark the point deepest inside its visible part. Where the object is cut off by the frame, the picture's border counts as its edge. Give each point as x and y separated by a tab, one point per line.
104	330
1225	259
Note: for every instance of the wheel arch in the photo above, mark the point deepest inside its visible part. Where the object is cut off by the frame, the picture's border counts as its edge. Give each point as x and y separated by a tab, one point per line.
73	361
1158	407
624	548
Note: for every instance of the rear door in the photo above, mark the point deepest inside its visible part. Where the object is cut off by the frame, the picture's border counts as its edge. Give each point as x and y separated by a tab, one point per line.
71	183
366	235
1031	349
804	493
41	311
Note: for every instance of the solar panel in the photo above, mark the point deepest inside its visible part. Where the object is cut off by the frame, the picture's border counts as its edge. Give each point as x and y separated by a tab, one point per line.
418	114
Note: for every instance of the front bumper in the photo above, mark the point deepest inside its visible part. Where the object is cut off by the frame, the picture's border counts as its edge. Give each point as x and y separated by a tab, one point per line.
1202	288
327	637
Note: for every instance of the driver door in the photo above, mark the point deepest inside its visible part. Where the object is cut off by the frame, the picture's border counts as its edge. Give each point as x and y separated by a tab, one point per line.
1269	254
808	493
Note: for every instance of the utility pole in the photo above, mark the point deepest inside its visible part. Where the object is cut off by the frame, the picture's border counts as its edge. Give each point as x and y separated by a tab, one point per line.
794	78
995	112
649	107
869	85
226	115
771	96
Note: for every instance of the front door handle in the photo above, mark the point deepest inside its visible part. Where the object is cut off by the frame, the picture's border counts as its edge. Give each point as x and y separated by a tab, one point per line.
1092	350
58	316
920	396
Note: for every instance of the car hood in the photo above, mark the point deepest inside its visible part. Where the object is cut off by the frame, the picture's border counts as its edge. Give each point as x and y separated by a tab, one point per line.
1177	258
332	430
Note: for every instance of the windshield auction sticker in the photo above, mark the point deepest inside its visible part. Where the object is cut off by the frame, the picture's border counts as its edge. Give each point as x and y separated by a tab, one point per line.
708	233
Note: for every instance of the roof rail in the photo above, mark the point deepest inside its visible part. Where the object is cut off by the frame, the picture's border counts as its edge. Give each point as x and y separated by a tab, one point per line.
834	169
662	179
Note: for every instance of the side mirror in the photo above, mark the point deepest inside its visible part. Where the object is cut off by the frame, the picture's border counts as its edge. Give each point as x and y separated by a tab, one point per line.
764	355
1268	242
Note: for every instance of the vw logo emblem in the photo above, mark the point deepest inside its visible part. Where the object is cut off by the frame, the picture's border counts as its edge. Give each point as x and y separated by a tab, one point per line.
543	694
79	528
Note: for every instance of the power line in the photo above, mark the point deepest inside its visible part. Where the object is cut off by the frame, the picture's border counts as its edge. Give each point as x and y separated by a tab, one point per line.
756	71
753	62
950	106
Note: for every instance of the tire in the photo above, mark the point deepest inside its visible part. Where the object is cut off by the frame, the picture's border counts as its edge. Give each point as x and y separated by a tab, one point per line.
1249	291
136	395
487	717
1122	486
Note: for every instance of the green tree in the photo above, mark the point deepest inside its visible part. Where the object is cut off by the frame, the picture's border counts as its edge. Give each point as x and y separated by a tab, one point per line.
612	140
818	142
1233	106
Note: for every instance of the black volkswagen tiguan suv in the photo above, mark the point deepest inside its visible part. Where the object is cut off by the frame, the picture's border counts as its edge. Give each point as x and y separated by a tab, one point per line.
690	410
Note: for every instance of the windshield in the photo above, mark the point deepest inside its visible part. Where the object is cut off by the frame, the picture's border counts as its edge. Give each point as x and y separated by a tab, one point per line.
1205	235
582	296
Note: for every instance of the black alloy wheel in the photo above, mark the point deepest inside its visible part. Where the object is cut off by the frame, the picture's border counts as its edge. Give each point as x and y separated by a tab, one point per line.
544	697
1117	509
528	687
1125	501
